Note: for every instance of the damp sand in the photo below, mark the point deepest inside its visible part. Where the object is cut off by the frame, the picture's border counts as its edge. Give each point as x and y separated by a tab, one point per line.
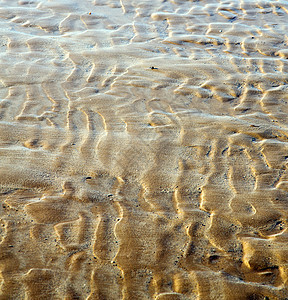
143	149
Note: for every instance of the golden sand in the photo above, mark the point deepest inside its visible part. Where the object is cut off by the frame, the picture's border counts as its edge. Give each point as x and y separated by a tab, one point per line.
143	149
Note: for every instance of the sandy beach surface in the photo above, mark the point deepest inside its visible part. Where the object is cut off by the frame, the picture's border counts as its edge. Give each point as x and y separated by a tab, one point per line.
143	149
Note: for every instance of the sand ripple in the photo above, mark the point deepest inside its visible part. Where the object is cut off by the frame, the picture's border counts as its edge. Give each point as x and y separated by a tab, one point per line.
143	149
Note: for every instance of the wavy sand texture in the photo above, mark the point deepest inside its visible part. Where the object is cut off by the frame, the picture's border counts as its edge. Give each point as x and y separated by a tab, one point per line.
143	149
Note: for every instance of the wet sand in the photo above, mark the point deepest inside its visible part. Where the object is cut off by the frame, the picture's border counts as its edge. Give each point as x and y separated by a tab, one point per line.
143	149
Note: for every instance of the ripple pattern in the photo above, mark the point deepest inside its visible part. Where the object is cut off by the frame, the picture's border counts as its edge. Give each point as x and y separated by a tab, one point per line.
143	149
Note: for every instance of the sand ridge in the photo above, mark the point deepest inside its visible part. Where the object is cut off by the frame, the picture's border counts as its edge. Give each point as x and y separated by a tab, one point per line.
143	149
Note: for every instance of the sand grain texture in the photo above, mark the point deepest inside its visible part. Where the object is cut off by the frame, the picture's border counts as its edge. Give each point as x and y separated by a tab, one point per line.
143	149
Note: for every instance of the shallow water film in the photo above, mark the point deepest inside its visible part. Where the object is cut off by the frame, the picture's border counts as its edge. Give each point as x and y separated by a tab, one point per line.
143	149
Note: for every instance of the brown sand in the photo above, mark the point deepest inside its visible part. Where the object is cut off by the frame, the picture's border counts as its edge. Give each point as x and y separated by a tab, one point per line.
143	149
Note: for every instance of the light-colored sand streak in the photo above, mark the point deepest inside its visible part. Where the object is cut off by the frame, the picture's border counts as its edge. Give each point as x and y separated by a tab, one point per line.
143	149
